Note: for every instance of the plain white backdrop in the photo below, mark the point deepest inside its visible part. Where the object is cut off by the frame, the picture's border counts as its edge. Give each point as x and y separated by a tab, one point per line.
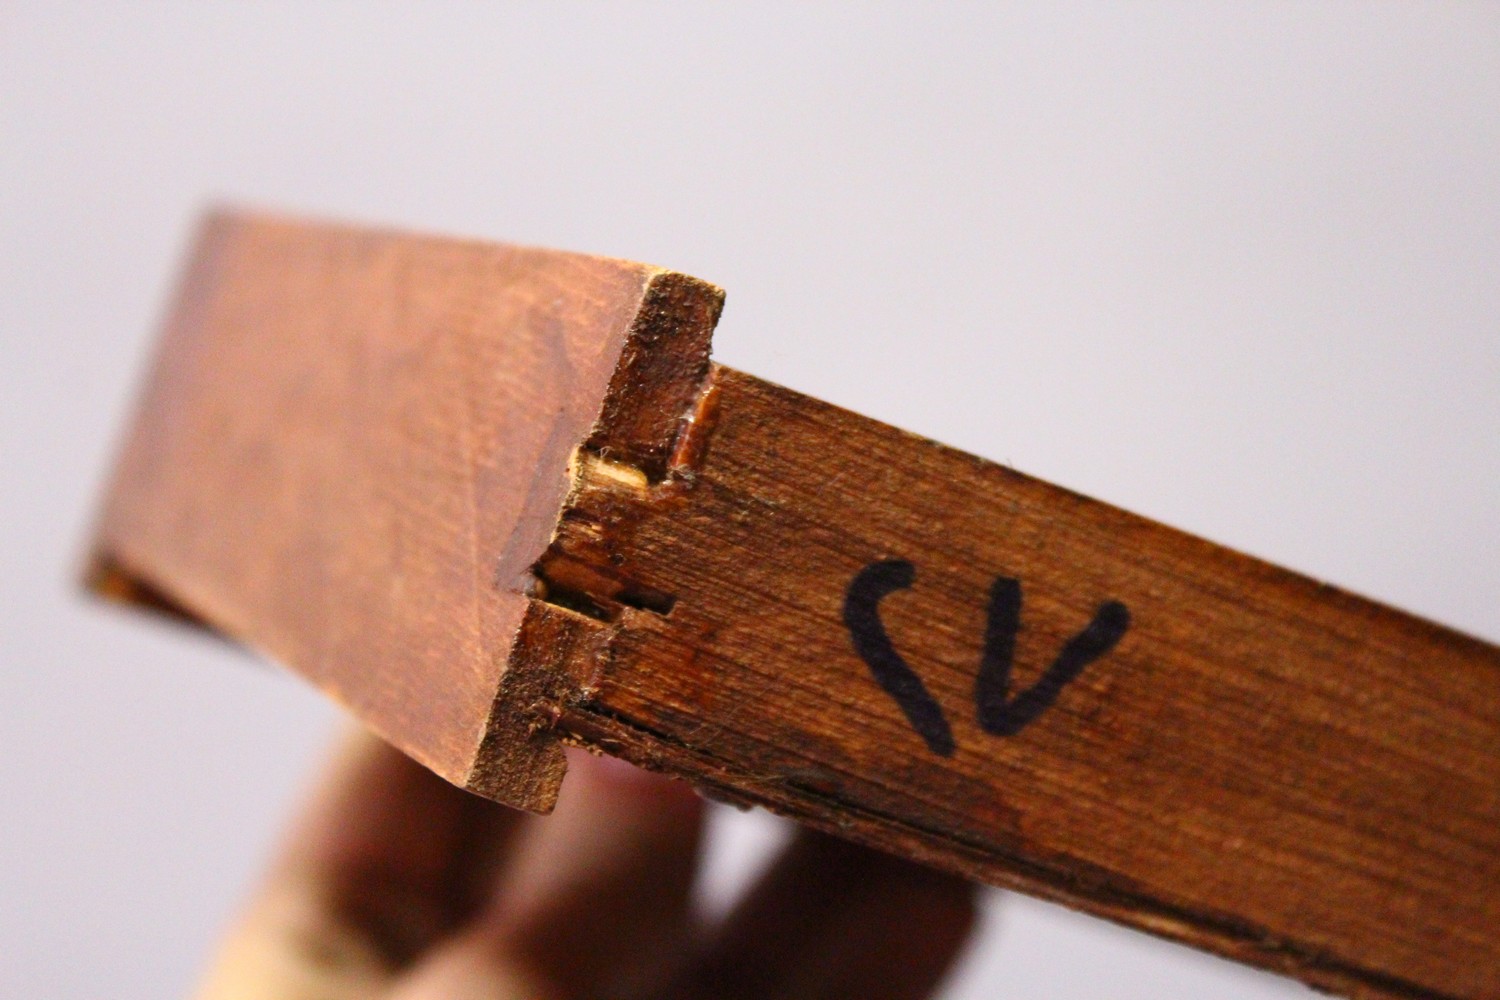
1233	267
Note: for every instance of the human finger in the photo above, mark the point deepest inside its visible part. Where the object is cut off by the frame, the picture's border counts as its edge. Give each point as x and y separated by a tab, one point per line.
596	903
832	920
371	873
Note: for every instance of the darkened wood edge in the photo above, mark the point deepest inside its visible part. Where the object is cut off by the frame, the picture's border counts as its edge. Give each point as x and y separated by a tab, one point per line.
107	578
652	398
662	368
520	760
584	724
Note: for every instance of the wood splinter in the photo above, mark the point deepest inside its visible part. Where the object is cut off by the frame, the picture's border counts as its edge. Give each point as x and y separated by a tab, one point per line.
496	500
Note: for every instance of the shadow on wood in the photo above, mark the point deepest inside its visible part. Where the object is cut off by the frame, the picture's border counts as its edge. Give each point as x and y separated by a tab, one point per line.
497	499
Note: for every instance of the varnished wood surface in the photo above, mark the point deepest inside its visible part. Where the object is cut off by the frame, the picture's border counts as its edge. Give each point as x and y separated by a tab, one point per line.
494	499
1261	764
353	445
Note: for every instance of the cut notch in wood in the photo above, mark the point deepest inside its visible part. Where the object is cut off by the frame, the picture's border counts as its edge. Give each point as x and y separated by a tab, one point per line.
497	499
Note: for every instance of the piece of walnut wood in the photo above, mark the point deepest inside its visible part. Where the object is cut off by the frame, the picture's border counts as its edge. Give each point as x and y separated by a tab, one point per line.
498	499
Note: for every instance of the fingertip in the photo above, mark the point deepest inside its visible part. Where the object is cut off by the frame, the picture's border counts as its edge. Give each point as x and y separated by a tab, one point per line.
600	894
634	786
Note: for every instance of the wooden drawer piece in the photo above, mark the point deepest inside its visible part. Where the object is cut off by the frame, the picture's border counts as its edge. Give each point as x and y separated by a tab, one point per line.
497	499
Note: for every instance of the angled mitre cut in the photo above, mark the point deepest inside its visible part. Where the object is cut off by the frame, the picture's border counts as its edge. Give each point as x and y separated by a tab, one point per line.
497	499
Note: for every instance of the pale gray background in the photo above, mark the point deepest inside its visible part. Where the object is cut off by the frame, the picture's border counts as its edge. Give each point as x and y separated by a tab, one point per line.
1236	268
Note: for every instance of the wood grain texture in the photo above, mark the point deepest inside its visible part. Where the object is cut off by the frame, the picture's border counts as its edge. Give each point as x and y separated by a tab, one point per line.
354	445
1262	765
497	499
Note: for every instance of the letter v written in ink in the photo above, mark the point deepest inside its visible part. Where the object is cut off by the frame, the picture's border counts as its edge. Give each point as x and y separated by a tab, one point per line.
997	712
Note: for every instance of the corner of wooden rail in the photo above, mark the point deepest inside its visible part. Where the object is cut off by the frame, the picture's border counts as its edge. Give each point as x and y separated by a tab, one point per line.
353	447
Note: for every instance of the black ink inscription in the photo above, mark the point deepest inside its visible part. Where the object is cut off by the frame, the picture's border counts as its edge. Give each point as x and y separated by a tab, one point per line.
1001	715
998	713
862	617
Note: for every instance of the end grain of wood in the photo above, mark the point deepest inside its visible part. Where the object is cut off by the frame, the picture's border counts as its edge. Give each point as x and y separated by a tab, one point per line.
496	500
